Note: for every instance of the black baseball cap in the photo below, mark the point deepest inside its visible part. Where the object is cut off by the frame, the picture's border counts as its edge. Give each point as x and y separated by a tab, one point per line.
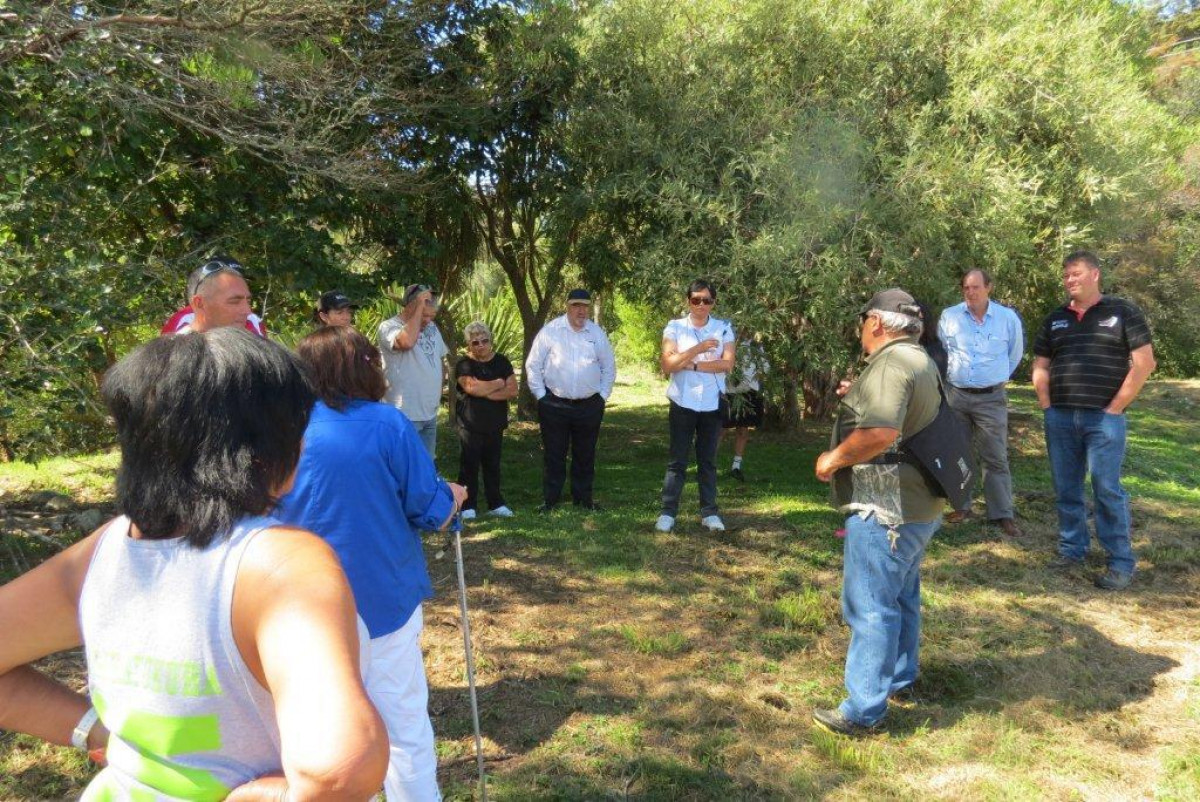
579	296
893	300
334	299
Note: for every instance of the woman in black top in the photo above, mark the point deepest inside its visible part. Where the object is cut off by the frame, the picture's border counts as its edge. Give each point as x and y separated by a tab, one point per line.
485	382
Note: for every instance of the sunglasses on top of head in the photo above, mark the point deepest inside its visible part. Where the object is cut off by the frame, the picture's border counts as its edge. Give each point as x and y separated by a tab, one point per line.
701	300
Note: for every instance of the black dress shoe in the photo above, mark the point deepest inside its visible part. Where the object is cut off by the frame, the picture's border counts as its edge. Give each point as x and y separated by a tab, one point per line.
834	721
545	508
736	473
591	506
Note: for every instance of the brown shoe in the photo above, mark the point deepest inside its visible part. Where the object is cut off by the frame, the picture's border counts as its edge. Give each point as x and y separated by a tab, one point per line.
1009	527
957	517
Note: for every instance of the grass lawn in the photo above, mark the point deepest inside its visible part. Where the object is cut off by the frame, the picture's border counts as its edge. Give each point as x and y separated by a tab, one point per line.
618	662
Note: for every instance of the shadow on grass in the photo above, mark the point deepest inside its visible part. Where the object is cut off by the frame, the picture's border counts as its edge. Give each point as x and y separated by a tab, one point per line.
1034	656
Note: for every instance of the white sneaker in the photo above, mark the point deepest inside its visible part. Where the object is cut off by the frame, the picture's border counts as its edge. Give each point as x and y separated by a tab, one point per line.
467	515
665	523
503	511
713	523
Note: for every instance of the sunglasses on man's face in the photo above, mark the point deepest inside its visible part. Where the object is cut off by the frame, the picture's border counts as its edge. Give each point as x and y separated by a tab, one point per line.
700	300
477	343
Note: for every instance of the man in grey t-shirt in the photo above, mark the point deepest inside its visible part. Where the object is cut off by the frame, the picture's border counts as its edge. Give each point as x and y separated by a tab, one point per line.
413	359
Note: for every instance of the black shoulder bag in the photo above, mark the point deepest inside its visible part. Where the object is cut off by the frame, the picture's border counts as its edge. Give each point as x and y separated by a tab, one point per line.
942	452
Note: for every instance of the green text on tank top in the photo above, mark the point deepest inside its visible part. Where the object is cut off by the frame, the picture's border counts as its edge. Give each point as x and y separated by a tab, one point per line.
159	753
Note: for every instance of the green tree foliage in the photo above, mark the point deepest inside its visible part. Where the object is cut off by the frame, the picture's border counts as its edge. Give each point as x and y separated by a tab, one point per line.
804	155
140	138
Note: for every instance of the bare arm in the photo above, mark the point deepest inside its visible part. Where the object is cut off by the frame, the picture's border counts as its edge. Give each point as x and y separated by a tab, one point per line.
407	337
861	446
1041	380
1142	365
294	624
39	615
722	365
479	388
673	361
505	393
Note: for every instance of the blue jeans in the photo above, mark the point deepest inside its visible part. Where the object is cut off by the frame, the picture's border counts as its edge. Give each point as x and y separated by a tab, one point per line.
704	428
427	431
881	601
1081	441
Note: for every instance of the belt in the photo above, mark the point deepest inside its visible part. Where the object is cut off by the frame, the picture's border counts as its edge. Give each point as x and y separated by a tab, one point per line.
980	390
573	400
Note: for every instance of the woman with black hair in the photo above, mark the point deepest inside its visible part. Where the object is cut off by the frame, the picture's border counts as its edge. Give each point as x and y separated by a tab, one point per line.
697	353
208	627
368	485
334	309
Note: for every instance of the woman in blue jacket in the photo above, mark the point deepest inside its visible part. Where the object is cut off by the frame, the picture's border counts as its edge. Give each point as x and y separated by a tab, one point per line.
368	487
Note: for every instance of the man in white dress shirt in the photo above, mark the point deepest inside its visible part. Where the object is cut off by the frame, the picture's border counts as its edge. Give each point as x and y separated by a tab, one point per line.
570	370
697	353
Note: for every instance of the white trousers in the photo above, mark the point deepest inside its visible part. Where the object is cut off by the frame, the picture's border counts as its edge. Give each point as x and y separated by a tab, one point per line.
395	678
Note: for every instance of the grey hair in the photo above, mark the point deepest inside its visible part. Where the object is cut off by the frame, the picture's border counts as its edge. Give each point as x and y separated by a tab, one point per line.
898	323
475	329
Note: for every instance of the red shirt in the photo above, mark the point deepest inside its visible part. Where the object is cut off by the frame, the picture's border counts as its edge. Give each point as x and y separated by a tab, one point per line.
185	316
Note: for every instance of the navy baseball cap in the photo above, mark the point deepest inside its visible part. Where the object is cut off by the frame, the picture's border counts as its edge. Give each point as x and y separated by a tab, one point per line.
335	300
579	296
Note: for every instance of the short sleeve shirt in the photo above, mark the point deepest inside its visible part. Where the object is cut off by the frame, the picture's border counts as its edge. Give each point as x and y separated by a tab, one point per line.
700	392
414	376
897	390
477	414
1089	355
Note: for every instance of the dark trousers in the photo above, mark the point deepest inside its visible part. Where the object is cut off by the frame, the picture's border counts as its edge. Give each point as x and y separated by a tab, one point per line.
480	450
574	425
705	428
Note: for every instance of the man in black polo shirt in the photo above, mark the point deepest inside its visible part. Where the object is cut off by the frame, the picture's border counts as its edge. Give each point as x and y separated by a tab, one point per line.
1092	357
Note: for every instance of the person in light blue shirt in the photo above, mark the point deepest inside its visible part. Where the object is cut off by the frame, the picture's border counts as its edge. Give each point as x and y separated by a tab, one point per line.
984	342
697	353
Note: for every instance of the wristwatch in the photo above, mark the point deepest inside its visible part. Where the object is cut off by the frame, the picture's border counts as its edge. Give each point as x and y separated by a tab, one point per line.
80	734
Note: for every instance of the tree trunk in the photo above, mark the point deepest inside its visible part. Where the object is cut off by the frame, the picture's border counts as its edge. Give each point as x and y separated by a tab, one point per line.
785	416
820	400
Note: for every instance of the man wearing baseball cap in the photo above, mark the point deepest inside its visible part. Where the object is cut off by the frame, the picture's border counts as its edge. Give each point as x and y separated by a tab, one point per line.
217	296
891	511
571	371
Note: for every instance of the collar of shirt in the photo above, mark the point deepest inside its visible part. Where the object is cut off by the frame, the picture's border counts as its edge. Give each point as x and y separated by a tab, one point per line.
1078	314
986	313
878	351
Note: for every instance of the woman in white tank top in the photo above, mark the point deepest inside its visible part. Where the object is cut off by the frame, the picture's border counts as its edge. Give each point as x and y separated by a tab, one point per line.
222	647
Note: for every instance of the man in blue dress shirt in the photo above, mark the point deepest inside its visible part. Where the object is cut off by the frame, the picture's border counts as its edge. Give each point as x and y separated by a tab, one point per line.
984	342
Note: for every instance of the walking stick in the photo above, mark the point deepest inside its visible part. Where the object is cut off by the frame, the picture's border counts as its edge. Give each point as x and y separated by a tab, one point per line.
456	526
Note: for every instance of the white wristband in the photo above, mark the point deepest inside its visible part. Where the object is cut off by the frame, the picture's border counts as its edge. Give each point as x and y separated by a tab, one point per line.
83	729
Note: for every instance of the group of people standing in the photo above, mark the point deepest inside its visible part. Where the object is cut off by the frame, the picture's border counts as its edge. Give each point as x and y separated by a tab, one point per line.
1092	356
231	652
